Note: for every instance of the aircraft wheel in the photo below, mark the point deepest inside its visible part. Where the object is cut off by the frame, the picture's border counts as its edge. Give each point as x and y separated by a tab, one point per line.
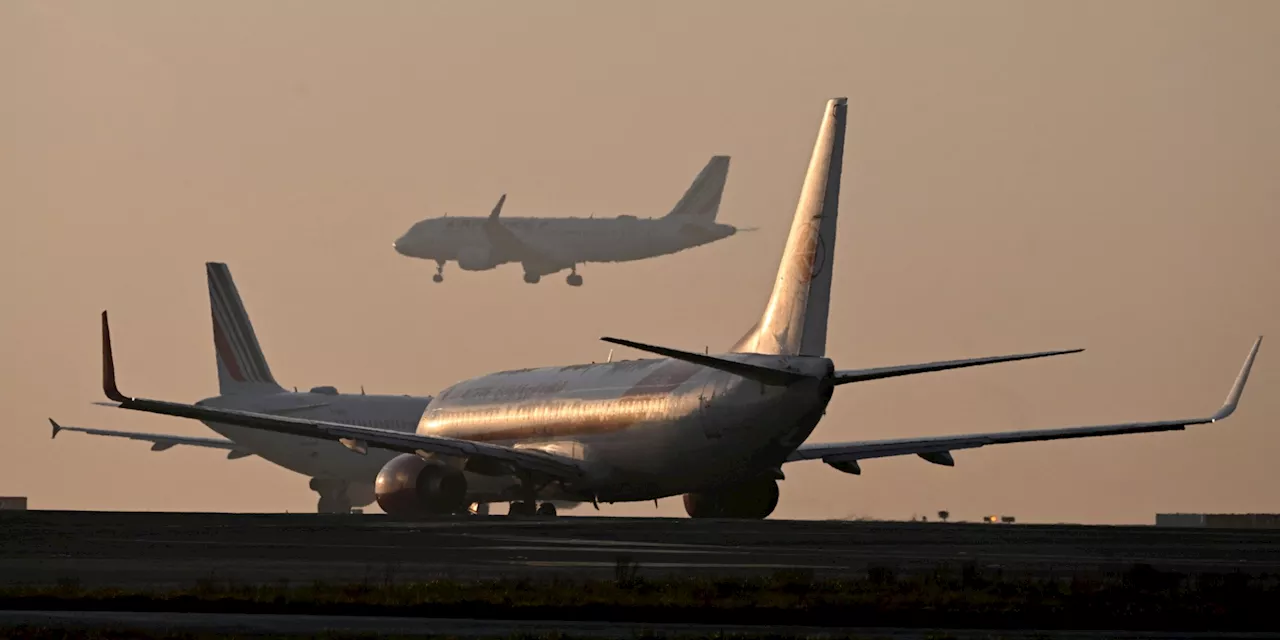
522	509
437	278
574	280
547	509
332	504
532	278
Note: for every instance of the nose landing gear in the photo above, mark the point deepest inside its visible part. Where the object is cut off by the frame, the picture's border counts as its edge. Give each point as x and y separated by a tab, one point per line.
573	278
439	276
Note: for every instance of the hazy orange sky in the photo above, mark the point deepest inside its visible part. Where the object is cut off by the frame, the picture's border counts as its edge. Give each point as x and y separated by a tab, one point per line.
1018	176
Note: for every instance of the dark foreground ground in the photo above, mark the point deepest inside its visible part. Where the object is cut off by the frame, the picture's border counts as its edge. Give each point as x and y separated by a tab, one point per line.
611	577
172	549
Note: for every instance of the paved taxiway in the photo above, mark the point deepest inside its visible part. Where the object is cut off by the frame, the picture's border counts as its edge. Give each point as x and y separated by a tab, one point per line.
258	624
173	549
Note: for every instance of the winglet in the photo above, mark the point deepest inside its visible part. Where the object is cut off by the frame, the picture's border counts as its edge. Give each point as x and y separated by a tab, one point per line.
1233	396
108	364
497	209
56	428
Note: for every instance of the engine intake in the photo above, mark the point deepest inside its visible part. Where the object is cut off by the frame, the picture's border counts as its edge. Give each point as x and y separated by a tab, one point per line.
410	486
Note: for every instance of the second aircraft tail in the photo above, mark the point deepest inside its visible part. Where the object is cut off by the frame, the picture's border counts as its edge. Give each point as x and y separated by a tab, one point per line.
701	202
242	368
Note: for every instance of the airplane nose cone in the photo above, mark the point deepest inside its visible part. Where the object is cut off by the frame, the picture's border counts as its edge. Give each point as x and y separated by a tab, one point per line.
401	246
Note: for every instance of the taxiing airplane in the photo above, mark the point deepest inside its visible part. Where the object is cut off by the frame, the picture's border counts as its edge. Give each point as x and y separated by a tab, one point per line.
547	245
342	477
717	429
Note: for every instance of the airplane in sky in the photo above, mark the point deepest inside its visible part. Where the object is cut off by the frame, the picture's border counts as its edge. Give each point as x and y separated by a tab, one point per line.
342	477
547	245
715	429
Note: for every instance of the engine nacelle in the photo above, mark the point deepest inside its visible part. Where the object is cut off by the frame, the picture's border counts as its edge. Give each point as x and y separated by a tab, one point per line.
753	500
410	486
475	258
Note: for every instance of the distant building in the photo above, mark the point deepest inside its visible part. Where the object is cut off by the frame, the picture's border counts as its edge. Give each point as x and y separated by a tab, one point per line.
13	503
1219	520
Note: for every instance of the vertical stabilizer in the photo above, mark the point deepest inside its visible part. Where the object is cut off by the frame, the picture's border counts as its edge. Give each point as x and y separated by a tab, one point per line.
794	321
701	202
242	369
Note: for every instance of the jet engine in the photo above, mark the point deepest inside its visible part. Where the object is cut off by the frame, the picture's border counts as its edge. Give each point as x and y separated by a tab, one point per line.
475	258
410	486
753	500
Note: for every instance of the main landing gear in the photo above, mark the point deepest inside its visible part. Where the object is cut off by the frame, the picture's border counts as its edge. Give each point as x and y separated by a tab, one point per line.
574	279
439	276
529	508
333	496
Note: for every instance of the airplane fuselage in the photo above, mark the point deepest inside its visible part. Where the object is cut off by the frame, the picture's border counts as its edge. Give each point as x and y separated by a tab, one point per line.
644	429
562	242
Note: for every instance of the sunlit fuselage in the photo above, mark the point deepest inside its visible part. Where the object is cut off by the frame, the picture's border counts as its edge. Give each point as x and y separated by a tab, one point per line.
645	429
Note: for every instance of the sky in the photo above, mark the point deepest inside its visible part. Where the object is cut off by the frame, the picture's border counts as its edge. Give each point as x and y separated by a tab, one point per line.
1018	177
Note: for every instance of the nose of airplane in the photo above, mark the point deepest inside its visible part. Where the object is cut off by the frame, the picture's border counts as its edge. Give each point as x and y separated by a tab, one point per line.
402	245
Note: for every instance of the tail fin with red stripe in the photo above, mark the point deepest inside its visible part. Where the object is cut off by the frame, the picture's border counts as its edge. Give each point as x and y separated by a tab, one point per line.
242	368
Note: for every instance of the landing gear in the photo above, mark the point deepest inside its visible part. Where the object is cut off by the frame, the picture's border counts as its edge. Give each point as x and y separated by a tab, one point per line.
524	508
439	276
333	496
574	279
532	278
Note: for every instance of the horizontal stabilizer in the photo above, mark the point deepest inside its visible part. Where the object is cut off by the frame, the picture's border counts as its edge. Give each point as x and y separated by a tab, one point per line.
862	375
766	375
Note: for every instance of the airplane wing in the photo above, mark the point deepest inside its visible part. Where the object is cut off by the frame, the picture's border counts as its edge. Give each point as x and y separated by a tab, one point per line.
510	245
354	437
845	455
159	441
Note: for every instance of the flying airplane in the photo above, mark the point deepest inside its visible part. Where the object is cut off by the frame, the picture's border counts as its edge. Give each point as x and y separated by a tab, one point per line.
715	429
341	477
547	245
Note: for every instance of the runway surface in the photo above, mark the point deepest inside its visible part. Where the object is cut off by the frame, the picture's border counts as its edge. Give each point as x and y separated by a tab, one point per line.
259	624
172	549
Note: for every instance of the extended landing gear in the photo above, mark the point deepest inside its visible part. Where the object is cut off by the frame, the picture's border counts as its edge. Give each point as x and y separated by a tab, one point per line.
574	279
333	496
439	276
532	278
526	508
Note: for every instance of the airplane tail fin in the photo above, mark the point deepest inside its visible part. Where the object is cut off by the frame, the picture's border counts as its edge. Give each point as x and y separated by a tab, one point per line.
242	368
701	202
794	321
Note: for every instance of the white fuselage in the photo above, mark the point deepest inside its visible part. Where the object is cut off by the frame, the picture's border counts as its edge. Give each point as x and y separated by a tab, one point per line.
562	242
645	429
314	457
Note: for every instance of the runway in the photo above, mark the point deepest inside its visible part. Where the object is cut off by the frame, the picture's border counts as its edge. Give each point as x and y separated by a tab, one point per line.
259	624
173	549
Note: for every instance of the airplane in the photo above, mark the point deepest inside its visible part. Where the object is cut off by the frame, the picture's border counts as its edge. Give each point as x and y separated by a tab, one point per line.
341	477
547	245
714	429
